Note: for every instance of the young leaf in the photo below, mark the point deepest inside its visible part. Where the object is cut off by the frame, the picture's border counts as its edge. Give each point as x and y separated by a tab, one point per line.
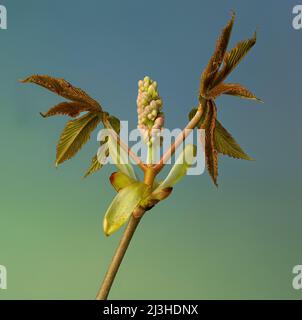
71	109
123	205
103	153
94	166
226	144
64	89
210	152
233	89
98	160
233	58
215	62
179	169
120	158
120	180
75	135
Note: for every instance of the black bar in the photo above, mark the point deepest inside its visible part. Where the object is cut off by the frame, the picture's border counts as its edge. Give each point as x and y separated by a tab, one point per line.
155	309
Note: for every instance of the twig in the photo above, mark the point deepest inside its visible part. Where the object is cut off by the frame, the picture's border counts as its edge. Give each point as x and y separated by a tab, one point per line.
179	140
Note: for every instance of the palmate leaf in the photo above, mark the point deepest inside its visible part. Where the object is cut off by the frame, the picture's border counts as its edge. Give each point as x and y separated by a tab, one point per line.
210	151
75	135
71	109
226	144
216	60
233	89
123	205
233	58
64	89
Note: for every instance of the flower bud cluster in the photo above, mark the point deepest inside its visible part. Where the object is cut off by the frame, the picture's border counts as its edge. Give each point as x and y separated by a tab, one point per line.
149	106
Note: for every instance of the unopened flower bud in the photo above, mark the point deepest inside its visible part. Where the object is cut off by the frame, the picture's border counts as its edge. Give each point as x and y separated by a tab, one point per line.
149	106
159	103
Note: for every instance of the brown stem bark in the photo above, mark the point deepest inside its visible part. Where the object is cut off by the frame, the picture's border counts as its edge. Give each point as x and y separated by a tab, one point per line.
117	258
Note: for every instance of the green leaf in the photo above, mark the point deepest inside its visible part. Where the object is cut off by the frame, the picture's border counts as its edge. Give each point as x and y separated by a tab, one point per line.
120	180
98	160
123	205
227	145
179	169
94	166
76	133
120	158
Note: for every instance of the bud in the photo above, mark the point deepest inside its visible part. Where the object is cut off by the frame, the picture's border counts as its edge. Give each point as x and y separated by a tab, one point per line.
149	106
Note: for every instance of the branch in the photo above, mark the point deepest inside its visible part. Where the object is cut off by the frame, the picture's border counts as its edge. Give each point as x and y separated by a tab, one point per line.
179	140
117	259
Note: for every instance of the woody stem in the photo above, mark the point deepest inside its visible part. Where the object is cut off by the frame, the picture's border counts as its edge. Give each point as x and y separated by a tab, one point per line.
123	245
117	258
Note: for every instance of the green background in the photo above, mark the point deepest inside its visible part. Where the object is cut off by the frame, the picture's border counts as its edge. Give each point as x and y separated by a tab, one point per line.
240	241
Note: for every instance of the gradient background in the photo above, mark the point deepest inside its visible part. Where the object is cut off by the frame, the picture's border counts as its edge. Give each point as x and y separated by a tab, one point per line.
240	241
